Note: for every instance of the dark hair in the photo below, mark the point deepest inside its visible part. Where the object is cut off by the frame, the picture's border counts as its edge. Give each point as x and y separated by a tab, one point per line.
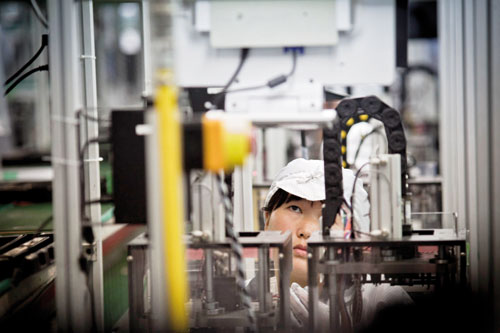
279	198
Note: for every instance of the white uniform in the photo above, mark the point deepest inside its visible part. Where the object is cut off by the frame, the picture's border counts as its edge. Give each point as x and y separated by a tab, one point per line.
375	298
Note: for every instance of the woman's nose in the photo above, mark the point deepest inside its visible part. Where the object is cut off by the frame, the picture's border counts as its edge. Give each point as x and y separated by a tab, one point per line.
307	227
304	233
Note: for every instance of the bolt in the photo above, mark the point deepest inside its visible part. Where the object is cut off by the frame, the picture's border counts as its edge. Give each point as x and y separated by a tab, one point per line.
130	258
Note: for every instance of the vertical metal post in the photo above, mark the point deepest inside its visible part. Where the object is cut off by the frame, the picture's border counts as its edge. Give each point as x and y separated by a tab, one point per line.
263	278
218	223
312	275
146	42
243	212
285	268
483	153
332	293
209	275
463	265
495	154
171	292
72	297
91	162
158	301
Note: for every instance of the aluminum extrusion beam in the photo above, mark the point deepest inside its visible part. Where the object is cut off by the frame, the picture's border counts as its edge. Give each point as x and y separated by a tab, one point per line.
90	129
72	298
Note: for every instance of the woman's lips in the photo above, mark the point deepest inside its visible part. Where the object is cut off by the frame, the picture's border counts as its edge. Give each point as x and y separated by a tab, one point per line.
300	251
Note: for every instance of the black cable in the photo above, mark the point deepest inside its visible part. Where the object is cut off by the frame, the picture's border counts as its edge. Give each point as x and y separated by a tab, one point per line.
274	82
373	131
247	88
94	118
45	42
38	13
44	224
81	160
294	64
303	144
11	243
237	251
243	57
90	287
25	75
88	143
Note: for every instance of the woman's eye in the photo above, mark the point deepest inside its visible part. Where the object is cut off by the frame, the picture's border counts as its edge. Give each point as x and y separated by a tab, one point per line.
295	209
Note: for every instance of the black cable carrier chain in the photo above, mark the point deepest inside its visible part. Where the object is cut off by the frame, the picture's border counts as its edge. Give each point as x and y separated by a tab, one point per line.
350	112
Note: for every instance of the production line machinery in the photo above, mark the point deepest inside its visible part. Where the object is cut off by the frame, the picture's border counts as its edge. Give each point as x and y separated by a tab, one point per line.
390	253
375	260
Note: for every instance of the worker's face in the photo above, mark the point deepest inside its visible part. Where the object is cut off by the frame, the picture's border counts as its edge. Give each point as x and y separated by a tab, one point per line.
301	217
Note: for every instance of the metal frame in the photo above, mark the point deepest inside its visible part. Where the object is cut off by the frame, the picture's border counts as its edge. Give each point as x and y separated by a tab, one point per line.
72	298
333	264
494	151
264	241
139	268
90	130
146	40
469	84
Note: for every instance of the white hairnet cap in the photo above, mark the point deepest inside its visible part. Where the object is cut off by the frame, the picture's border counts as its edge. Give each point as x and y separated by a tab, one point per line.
306	179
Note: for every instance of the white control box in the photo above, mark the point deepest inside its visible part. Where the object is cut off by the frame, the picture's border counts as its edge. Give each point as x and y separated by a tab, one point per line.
385	195
273	23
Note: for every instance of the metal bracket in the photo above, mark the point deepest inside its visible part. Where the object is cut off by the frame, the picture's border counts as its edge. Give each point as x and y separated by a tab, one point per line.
90	251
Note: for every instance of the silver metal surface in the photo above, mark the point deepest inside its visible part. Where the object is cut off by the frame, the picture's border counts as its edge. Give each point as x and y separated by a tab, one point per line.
139	287
332	294
242	197
471	100
377	268
385	263
469	78
263	274
483	111
267	317
295	120
495	152
158	300
72	298
285	266
313	277
209	276
92	172
146	49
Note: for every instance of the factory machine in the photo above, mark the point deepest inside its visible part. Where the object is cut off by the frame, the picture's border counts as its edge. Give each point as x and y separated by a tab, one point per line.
218	75
210	42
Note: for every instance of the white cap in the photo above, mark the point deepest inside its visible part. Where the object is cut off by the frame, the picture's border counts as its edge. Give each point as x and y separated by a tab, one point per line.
306	179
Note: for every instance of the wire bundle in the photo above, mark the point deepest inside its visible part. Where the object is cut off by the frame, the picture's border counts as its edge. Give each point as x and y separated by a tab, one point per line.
236	249
271	83
45	41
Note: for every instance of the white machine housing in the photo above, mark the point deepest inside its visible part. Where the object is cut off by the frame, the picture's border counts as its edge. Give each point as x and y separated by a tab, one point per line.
358	49
385	195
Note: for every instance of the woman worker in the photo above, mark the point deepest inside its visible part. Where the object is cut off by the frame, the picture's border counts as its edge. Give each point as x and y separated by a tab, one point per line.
294	203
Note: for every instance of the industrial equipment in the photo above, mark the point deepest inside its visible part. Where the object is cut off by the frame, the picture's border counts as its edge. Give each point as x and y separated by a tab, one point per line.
219	76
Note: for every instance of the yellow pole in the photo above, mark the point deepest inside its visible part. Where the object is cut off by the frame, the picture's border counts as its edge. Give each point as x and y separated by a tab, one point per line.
170	144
